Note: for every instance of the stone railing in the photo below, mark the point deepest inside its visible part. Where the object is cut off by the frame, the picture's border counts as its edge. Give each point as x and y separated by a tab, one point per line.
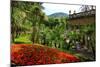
82	14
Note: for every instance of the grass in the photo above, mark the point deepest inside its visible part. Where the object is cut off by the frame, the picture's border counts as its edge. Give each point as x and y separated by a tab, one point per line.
25	38
81	56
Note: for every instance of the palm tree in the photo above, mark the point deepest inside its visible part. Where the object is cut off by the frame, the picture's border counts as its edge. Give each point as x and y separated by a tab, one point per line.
38	15
16	21
33	13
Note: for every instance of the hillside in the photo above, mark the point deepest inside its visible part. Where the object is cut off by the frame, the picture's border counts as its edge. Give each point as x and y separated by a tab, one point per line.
59	14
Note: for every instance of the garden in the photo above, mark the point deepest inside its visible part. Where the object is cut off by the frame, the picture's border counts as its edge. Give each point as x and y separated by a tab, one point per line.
37	38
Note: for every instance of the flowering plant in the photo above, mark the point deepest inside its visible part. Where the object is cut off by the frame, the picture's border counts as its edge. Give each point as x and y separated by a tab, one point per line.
22	54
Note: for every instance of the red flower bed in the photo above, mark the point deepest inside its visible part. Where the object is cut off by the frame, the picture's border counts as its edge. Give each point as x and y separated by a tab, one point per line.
24	54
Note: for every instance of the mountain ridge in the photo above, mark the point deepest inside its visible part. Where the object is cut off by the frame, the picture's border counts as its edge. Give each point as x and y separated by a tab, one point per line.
58	14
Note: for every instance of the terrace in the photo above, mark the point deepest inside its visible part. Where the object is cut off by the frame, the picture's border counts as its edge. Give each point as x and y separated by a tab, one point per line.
82	18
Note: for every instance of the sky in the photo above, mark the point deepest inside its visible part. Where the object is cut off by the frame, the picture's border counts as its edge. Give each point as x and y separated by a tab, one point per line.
51	8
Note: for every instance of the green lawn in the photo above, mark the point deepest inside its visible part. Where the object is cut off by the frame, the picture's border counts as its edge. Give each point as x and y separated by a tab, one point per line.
25	39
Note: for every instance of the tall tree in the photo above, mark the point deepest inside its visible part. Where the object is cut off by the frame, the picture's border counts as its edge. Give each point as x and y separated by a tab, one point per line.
32	11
